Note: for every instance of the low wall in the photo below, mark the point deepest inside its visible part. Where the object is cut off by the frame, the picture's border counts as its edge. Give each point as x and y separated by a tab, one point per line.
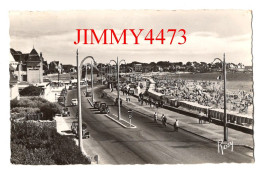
214	120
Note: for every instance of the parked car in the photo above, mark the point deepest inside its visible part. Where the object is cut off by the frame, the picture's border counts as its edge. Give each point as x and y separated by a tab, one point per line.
96	104
74	102
74	129
65	112
88	94
104	108
116	101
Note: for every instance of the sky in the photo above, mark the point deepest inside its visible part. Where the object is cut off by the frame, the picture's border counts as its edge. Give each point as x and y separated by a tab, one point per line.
209	34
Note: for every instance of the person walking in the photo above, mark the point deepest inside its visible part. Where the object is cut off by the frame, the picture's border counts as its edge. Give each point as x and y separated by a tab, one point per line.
200	116
127	98
163	120
155	116
176	125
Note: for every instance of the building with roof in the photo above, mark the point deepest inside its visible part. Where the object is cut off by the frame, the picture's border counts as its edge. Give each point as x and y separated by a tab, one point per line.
13	82
29	67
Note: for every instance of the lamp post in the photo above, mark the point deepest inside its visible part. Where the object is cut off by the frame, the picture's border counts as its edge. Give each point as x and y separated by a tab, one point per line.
225	108
79	73
101	73
118	91
109	75
92	90
86	76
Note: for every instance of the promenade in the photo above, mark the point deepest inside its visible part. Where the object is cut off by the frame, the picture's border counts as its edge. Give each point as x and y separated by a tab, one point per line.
206	130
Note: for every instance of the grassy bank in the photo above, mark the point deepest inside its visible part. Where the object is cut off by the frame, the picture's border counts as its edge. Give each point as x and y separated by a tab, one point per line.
37	142
32	144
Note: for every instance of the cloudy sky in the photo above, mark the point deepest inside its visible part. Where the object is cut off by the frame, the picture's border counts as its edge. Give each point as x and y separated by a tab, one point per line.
209	33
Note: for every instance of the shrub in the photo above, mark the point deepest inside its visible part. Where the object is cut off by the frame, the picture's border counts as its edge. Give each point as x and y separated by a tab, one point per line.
31	91
19	112
49	110
14	103
34	105
37	145
28	102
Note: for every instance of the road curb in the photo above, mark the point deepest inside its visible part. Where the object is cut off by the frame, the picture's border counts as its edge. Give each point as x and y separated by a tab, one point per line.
121	123
90	102
246	146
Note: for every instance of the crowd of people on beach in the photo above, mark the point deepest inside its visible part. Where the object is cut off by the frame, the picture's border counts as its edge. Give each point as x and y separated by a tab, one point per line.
207	93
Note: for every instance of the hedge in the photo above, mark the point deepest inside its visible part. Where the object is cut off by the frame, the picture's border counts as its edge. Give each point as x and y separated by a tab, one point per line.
37	145
34	105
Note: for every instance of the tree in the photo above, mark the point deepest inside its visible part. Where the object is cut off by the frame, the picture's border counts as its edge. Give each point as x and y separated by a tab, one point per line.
31	91
188	64
49	110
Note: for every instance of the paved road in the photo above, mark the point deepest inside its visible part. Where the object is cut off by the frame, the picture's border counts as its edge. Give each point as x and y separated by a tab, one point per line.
149	143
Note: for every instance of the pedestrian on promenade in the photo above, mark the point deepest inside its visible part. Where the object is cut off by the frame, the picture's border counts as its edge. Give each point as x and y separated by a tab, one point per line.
200	116
127	98
155	116
157	105
162	116
164	119
176	125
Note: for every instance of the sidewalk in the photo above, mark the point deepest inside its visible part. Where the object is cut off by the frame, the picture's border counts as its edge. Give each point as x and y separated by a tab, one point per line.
63	128
209	131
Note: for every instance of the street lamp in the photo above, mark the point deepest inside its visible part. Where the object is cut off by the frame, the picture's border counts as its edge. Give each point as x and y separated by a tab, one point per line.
225	108
101	73
86	76
79	73
92	86
118	91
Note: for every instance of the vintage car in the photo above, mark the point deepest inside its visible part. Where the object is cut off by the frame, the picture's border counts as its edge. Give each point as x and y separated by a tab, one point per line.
74	102
61	99
96	104
65	112
88	94
104	108
116	102
74	129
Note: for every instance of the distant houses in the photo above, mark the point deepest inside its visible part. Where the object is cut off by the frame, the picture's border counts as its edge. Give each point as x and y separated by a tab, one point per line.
13	82
29	66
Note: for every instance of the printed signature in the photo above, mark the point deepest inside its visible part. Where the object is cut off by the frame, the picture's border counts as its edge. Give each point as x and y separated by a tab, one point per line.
222	145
